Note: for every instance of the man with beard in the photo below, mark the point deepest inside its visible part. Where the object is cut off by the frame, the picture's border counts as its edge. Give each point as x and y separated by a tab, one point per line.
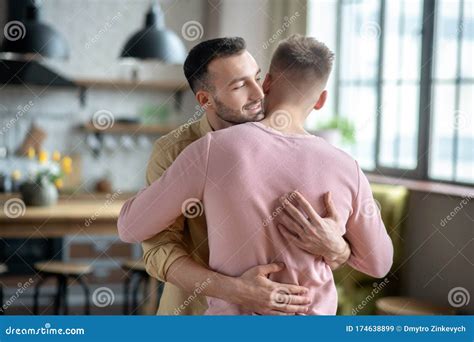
226	81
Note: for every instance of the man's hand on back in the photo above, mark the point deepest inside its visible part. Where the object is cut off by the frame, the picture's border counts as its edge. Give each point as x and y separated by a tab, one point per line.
256	293
314	234
253	291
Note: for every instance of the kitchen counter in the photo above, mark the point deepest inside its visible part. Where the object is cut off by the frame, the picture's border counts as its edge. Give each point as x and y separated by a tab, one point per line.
79	214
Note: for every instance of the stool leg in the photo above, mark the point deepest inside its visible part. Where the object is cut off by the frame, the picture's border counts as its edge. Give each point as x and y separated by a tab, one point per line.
126	289
1	300
135	290
86	294
36	293
160	289
59	295
143	281
64	294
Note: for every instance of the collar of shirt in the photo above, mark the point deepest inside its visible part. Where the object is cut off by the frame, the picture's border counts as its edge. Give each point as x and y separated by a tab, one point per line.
204	125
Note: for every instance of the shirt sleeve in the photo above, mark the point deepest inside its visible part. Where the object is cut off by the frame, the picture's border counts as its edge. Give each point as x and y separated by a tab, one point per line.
180	189
163	249
371	246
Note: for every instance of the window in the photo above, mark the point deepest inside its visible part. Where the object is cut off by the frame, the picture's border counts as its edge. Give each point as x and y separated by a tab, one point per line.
452	152
404	76
400	85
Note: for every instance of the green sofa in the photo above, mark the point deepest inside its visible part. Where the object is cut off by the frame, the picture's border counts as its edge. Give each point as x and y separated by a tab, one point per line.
358	292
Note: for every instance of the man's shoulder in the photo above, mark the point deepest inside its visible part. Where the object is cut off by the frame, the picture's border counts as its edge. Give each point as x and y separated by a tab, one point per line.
178	139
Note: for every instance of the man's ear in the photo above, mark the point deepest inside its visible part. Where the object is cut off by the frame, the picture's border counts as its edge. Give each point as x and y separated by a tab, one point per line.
266	84
321	100
202	98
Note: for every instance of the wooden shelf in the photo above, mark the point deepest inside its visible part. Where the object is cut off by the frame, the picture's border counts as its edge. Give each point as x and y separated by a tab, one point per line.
122	128
168	85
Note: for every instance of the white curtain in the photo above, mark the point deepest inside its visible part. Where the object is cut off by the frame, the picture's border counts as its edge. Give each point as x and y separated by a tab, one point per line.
286	17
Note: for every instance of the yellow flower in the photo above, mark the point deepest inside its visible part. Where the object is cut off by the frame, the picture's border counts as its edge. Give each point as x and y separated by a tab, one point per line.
66	165
31	152
16	175
56	156
59	183
43	157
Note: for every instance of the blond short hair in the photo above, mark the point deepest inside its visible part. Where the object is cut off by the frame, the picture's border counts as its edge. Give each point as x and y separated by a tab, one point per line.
301	59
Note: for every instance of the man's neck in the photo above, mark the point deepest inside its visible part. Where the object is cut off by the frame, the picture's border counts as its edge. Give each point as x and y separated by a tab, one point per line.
286	119
217	123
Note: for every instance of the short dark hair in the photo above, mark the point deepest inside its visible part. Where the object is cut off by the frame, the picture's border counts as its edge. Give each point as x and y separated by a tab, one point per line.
197	62
300	56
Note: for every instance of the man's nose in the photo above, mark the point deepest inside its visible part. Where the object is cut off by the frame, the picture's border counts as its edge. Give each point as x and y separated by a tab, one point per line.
256	91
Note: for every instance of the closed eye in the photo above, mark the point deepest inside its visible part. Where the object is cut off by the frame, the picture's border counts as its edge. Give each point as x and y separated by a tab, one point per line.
257	78
240	86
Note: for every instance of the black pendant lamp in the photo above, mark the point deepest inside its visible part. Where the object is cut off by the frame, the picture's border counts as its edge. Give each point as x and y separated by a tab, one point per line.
33	37
154	41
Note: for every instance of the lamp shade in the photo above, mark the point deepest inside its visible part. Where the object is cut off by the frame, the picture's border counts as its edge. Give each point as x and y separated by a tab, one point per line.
31	36
154	41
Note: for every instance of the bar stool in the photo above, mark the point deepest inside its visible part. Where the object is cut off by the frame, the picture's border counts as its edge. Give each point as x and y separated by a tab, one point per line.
62	271
136	275
406	306
3	269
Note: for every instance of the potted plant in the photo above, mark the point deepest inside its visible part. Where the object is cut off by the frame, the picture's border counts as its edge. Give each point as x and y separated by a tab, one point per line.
337	130
45	178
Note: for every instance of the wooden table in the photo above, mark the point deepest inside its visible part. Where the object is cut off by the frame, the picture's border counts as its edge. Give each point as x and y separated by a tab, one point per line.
79	214
92	214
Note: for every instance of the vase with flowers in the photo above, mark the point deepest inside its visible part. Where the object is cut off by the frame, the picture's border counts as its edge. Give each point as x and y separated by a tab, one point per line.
45	178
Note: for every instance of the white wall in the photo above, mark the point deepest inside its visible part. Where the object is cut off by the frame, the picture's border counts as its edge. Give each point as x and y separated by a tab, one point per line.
96	31
247	19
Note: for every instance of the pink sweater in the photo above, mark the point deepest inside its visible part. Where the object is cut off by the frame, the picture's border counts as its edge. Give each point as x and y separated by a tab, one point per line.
237	175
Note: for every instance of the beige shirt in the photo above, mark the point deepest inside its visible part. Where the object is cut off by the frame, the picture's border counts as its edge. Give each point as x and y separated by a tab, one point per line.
186	237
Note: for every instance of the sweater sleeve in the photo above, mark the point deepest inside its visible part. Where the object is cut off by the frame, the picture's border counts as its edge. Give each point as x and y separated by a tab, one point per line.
178	192
371	246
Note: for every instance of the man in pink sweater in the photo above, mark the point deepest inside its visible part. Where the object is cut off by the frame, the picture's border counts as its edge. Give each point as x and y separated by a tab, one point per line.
236	173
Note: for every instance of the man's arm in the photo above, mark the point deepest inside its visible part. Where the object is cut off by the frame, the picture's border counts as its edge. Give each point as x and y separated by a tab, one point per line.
252	290
156	207
371	246
164	248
